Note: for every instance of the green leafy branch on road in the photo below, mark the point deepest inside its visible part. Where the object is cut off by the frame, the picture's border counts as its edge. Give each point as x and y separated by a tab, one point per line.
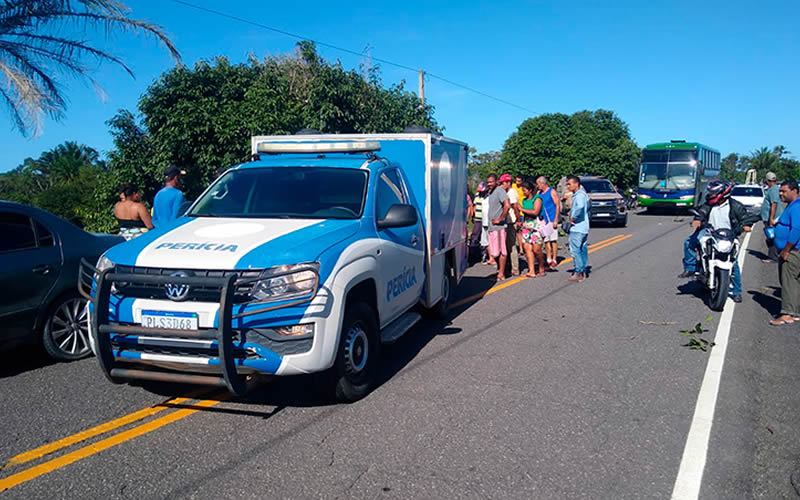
694	336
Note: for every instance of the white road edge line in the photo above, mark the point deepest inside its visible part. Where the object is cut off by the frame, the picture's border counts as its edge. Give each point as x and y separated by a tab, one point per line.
693	462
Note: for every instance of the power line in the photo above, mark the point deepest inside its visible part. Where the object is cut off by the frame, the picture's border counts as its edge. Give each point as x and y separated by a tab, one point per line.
349	51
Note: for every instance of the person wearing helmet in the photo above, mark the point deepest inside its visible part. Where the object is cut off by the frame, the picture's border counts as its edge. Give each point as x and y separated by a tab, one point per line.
719	211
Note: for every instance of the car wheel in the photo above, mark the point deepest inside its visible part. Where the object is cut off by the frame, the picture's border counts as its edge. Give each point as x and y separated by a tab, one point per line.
358	355
65	335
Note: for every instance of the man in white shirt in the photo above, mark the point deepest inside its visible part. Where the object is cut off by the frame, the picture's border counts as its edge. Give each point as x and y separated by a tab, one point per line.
511	229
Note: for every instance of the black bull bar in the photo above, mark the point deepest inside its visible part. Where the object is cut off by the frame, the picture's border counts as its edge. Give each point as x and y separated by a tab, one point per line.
96	285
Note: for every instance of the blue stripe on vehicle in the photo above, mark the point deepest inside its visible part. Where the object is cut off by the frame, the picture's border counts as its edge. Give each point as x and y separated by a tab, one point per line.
267	363
304	245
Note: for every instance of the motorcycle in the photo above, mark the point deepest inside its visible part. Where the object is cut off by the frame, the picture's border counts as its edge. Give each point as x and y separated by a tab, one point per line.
717	252
632	201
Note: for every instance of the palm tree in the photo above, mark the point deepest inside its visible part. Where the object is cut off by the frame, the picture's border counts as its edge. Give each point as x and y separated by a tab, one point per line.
33	51
763	160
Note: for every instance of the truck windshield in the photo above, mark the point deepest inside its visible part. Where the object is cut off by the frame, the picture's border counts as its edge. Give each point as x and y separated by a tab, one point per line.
597	186
285	193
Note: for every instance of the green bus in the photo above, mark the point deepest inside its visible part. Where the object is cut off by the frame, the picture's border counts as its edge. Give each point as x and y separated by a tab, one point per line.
674	174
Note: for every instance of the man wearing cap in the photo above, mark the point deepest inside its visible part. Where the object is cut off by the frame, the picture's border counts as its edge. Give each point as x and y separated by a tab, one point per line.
771	209
497	207
166	205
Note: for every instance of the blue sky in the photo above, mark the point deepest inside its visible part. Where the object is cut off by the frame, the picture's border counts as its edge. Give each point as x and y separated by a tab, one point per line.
725	73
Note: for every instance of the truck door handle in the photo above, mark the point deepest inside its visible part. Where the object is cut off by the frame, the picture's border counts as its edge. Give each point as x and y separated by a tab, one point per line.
414	240
41	269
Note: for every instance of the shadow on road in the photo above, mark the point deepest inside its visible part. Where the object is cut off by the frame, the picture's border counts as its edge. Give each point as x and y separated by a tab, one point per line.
23	358
770	302
310	390
758	255
693	287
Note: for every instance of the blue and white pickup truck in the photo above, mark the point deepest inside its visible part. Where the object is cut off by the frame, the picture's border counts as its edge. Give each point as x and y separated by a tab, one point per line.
306	259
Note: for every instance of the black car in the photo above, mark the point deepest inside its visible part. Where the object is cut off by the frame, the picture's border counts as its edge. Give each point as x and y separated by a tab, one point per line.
39	257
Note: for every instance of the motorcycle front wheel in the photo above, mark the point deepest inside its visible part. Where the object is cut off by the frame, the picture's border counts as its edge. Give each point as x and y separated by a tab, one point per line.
719	294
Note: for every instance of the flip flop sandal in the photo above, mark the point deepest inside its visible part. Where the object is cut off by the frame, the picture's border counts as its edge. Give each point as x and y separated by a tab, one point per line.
781	322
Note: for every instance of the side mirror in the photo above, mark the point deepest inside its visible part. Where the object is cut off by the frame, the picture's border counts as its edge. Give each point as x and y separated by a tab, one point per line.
398	216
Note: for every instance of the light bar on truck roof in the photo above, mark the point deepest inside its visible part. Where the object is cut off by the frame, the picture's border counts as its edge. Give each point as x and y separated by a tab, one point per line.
318	147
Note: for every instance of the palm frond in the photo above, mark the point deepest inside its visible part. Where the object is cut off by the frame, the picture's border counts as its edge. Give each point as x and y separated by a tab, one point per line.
32	48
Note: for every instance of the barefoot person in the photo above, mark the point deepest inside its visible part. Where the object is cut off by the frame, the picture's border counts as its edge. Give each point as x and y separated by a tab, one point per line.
551	207
531	209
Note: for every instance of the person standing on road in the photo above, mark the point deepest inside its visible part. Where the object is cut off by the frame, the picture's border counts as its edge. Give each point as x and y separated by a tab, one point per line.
551	207
513	222
579	229
787	241
517	186
497	206
477	217
771	209
167	203
530	213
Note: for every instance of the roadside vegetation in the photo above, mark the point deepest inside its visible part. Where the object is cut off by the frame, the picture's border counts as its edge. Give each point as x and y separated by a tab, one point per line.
201	119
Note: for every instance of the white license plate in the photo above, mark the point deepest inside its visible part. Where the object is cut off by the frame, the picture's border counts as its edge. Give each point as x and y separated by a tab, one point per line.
681	204
172	320
602	215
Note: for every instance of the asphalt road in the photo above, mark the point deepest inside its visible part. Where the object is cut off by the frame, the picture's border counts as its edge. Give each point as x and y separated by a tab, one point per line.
538	389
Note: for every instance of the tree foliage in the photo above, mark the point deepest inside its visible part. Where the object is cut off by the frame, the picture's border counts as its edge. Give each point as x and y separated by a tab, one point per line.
62	180
481	165
35	54
202	118
763	160
586	143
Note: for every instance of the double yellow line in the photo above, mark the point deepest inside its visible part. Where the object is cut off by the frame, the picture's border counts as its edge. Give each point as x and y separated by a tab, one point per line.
505	284
151	425
109	442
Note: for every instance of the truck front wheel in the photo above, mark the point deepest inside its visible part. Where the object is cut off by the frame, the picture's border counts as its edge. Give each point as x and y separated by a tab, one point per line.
358	355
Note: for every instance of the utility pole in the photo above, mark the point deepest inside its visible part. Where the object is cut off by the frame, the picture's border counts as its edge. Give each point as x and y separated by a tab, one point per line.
422	87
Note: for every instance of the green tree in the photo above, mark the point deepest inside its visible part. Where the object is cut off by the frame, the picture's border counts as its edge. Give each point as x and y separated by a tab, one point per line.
587	142
763	160
202	118
480	165
734	168
62	181
35	54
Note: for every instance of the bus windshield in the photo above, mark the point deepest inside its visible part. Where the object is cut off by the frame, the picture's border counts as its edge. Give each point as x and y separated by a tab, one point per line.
673	169
285	193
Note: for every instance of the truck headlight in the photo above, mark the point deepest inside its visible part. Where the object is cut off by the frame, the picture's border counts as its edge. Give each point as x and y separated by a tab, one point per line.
104	263
296	330
284	282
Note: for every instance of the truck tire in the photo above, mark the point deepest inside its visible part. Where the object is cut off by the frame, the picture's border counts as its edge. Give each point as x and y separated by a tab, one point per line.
440	310
358	355
719	294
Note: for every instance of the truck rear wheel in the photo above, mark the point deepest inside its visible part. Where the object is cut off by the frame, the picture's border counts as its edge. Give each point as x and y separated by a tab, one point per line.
440	310
358	355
